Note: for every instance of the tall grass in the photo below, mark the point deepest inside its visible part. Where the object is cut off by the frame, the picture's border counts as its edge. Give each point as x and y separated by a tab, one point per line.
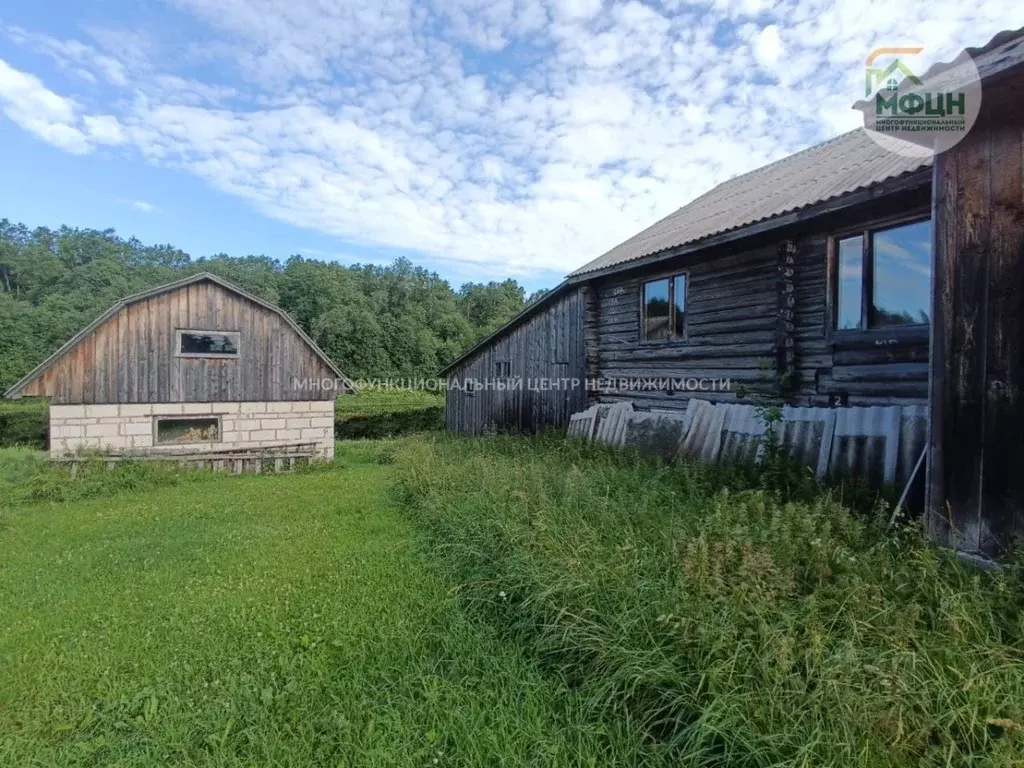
28	477
733	627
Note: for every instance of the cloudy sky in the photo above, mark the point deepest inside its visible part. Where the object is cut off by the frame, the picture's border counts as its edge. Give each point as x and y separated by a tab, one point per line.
481	138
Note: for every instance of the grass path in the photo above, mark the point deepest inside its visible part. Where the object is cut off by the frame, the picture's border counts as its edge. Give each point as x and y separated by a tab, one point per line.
265	621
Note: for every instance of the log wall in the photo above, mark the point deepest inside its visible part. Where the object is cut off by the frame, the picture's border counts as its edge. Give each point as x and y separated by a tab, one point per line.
743	307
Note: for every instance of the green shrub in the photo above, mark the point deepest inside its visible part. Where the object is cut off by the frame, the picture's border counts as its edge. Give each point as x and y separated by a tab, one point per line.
355	427
23	422
28	476
376	413
734	626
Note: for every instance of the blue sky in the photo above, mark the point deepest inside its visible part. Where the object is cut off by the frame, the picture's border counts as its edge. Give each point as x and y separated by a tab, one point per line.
480	138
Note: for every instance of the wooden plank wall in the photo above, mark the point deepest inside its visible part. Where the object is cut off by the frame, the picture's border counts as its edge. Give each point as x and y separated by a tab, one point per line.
976	487
732	322
548	345
131	357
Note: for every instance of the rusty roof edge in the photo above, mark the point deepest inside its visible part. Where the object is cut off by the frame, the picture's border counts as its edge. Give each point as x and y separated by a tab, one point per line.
14	391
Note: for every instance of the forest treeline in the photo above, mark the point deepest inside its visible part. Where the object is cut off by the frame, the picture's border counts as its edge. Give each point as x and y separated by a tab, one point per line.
394	321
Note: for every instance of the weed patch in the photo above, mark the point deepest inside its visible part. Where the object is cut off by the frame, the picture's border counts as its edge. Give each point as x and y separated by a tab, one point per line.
729	623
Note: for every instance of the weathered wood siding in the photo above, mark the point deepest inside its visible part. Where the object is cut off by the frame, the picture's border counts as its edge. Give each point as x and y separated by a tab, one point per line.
735	296
131	357
547	346
976	487
730	327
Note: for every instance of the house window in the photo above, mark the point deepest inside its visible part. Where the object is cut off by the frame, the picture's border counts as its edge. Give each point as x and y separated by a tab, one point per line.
503	369
185	431
208	343
882	277
664	309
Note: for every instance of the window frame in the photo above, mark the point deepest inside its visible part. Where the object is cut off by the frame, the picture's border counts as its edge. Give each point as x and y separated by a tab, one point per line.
216	417
501	363
206	331
671	277
866	233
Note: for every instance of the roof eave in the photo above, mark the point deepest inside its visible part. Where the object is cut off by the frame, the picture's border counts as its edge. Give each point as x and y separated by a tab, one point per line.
895	185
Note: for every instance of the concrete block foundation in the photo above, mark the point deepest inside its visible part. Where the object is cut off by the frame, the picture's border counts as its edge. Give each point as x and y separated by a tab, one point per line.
133	427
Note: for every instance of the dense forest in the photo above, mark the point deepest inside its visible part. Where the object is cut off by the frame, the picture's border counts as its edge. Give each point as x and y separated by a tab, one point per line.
395	321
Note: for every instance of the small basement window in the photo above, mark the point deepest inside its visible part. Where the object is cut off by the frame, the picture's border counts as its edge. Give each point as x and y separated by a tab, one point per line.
208	343
184	431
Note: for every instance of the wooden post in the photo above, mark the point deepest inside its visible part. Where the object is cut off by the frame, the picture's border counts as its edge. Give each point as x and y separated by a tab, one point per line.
976	440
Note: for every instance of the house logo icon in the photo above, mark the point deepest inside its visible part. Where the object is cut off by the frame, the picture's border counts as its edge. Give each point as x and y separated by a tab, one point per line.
918	115
888	75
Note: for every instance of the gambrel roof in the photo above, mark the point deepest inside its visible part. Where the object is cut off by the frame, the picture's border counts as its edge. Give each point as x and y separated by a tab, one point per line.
19	386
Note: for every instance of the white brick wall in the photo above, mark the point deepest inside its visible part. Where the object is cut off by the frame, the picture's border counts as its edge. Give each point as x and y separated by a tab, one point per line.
130	427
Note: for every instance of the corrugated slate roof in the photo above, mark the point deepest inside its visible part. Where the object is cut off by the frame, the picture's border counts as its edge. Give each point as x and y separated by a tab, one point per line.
825	171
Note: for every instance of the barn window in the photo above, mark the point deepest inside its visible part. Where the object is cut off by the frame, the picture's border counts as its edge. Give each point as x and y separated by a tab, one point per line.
882	277
503	369
183	431
208	343
664	309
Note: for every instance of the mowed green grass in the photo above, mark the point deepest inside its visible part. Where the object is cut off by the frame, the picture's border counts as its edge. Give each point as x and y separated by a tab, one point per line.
292	620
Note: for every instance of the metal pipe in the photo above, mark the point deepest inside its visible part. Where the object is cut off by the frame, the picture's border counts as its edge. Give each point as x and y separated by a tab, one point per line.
906	488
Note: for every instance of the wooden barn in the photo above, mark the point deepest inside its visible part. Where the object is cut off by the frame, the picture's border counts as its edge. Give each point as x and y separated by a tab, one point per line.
198	367
844	275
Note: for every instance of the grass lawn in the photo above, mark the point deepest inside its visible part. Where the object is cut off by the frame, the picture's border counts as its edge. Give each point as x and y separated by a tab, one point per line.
292	620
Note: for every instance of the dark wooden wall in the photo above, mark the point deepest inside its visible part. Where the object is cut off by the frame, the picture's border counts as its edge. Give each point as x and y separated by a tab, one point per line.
131	357
730	325
733	323
547	345
976	486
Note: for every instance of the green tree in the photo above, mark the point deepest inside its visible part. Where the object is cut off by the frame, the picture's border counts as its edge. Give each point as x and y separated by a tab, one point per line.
373	321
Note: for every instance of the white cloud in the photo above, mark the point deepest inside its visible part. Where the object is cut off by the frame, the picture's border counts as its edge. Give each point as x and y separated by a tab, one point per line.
143	206
71	55
769	46
104	129
579	9
27	102
53	118
508	135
